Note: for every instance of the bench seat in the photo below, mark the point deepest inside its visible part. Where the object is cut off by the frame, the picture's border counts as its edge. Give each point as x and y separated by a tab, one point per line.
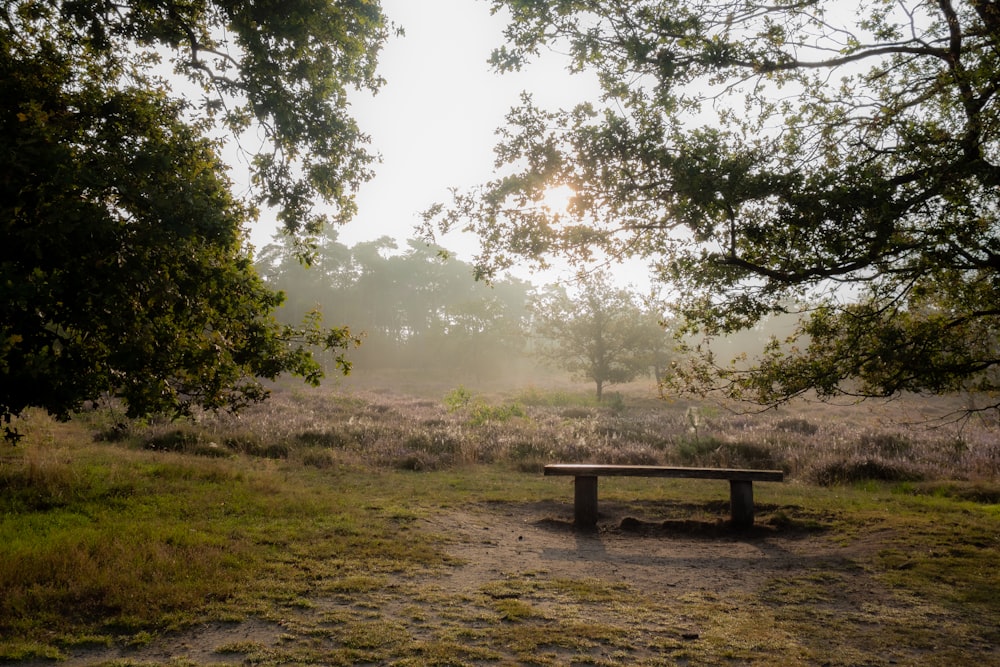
585	485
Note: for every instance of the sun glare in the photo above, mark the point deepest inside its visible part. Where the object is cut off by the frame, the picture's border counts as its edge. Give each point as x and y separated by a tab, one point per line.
557	198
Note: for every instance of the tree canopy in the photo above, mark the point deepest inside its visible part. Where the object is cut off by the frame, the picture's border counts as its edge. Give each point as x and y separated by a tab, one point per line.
123	267
843	156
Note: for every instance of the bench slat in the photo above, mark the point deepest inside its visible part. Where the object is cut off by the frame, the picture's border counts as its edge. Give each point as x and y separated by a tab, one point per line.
591	470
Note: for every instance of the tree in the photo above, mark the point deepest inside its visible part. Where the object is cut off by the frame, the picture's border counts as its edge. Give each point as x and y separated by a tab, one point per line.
656	339
308	286
123	268
843	156
416	305
602	334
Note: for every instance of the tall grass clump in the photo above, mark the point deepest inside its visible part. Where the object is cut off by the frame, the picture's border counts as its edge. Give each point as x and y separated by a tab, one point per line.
854	470
713	452
796	425
85	542
868	455
424	451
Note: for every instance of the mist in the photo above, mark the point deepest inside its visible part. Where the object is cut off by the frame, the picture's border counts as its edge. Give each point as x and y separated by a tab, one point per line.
426	324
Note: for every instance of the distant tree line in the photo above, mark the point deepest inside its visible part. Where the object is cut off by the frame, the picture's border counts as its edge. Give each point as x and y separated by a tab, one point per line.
415	307
418	307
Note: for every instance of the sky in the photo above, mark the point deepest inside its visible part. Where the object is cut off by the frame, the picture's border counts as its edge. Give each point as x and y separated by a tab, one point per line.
433	122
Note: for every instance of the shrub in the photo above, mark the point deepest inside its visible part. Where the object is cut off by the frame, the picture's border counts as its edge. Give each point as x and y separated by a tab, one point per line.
417	461
528	449
244	443
629	432
433	443
697	451
275	450
713	452
482	413
326	438
253	445
210	449
614	401
850	471
321	459
633	456
797	425
748	455
884	444
530	465
457	399
117	432
177	440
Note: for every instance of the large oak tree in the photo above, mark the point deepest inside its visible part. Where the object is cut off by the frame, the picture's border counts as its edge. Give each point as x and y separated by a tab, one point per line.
841	155
123	264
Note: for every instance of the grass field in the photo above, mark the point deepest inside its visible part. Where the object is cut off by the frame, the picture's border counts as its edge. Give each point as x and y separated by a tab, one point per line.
339	527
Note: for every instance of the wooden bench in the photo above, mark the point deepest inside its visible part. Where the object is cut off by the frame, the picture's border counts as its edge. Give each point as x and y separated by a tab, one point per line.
585	485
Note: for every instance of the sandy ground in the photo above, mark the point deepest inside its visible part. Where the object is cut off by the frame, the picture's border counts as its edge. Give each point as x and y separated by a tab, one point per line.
648	555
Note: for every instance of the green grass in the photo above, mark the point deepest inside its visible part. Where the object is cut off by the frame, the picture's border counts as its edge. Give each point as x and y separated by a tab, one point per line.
116	543
107	541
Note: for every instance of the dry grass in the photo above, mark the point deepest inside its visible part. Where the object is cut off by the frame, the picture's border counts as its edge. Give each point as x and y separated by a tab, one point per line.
907	440
301	515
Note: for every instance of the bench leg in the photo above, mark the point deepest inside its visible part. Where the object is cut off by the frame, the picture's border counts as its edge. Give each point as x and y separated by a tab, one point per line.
741	503
585	500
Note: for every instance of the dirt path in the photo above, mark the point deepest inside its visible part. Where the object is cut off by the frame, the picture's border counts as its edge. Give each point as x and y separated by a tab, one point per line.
507	539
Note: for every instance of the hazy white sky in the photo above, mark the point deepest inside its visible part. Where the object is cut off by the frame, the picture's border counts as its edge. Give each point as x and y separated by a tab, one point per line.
433	122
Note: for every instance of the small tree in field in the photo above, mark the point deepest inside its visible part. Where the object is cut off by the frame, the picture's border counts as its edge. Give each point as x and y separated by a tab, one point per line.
602	334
